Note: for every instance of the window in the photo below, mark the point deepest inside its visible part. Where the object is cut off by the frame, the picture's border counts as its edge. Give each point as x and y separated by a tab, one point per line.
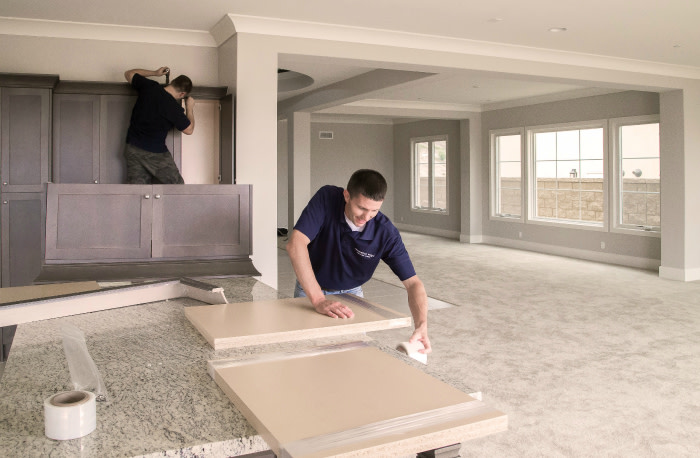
506	173
637	196
429	172
567	169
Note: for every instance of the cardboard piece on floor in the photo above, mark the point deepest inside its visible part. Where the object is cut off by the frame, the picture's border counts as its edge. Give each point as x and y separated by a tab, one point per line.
59	301
284	320
25	293
357	401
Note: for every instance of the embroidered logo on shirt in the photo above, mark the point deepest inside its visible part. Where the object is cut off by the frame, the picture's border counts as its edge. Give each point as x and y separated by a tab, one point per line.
363	254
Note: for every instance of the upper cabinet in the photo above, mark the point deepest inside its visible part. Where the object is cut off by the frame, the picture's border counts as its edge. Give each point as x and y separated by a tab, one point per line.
90	120
25	122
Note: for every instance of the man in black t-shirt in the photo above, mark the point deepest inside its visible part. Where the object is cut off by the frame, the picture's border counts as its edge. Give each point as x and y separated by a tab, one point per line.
157	110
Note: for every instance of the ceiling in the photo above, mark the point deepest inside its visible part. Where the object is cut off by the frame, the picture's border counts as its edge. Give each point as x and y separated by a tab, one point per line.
644	30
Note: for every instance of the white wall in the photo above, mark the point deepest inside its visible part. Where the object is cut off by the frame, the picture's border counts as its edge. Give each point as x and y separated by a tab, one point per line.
98	60
282	175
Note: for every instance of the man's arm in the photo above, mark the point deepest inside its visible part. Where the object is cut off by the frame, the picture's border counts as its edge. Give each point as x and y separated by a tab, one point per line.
418	302
189	112
298	250
129	74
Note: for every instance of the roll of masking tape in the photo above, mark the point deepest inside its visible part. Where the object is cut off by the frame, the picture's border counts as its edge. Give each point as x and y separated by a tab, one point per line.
69	415
411	349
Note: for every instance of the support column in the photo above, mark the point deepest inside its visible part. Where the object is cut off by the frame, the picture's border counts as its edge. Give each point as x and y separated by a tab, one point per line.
472	181
256	146
680	164
299	157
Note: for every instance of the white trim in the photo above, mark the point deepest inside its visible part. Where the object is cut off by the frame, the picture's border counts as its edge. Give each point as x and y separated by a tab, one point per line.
615	201
547	98
466	238
530	132
609	258
379	37
105	32
415	105
349	119
493	176
431	140
446	233
673	273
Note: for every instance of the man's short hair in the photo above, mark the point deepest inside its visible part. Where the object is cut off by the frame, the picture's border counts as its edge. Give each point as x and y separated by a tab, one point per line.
182	84
369	183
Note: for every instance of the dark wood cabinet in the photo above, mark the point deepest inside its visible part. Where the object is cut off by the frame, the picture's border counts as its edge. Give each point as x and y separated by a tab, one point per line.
22	218
146	222
25	122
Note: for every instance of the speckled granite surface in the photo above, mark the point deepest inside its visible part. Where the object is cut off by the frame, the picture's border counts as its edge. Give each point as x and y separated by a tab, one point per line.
161	400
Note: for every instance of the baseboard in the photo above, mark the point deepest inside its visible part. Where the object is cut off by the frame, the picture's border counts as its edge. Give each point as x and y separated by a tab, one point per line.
609	258
428	231
673	273
464	238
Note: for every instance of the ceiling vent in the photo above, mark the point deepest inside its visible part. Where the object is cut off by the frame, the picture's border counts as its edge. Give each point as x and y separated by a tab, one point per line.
325	135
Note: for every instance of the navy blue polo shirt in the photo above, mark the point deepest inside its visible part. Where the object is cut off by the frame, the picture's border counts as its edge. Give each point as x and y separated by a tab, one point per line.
154	114
341	258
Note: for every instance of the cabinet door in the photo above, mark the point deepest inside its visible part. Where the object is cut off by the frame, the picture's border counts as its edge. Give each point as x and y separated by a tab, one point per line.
98	222
76	138
24	123
22	216
115	113
201	220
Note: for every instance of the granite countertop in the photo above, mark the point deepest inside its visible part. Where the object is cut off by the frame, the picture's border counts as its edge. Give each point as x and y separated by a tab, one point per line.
160	399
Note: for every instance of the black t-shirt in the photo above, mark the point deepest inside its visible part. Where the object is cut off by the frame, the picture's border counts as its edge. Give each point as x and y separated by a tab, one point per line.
154	114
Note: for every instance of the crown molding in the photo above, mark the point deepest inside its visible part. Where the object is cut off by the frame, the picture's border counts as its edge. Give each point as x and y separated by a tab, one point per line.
371	36
105	32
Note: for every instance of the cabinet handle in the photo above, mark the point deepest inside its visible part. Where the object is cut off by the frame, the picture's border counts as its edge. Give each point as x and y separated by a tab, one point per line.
157	196
4	183
95	181
147	196
4	202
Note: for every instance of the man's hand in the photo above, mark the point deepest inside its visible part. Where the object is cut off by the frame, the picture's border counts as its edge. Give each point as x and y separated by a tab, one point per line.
161	71
189	103
333	309
421	335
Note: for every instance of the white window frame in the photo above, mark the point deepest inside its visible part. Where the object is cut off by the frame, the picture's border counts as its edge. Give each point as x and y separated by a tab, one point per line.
615	198
431	139
495	194
532	178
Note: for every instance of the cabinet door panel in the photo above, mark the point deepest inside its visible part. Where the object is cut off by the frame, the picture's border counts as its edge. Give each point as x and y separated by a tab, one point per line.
98	222
115	113
76	138
201	220
22	237
25	139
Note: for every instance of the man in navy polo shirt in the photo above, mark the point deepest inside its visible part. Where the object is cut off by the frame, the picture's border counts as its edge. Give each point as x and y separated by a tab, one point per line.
156	112
338	242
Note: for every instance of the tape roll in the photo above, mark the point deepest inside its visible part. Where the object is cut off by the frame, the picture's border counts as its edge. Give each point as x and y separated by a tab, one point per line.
411	349
70	415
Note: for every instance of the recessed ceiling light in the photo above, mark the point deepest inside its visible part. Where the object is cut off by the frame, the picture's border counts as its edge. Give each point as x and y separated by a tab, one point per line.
476	86
496	19
676	46
557	29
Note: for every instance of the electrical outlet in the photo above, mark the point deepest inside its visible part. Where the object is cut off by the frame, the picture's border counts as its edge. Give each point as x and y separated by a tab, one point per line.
520	235
602	245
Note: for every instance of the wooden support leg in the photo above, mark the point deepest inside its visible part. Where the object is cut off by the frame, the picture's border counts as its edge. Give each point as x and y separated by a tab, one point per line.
451	451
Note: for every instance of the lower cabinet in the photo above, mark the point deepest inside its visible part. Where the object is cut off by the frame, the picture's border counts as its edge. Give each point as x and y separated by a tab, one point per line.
22	233
146	222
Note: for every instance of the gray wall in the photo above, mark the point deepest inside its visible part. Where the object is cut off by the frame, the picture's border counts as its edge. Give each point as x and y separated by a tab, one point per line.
354	146
403	133
622	104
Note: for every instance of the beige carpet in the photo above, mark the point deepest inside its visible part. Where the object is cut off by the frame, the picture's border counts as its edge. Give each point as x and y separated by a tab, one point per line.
587	359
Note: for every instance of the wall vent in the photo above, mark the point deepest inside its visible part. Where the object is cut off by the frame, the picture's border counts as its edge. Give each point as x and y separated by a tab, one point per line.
325	135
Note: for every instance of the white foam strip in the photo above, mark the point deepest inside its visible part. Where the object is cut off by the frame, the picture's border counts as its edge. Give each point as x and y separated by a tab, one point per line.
385	428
